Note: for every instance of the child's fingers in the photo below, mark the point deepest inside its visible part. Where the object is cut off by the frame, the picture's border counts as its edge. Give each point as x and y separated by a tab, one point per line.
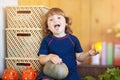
96	51
56	60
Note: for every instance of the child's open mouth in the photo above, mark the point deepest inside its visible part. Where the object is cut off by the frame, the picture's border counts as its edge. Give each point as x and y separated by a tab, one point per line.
57	26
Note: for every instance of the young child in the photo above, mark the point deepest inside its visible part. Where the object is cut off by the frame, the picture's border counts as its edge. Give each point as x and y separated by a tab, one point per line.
60	45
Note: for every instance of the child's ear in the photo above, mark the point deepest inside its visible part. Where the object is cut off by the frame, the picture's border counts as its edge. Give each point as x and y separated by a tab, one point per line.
66	24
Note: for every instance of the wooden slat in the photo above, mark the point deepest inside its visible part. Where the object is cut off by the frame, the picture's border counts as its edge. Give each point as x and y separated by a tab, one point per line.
84	28
100	18
30	2
116	11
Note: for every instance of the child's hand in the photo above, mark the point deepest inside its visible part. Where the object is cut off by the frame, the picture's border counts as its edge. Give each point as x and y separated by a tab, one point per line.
55	59
93	52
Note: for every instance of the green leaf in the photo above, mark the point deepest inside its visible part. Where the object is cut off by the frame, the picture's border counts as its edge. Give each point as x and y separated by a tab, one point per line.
89	78
110	74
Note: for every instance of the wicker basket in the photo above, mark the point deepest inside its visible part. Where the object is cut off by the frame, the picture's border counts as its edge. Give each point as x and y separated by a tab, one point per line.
20	64
23	42
25	17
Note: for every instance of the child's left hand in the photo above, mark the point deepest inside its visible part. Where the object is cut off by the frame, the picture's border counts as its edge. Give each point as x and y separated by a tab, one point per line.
93	52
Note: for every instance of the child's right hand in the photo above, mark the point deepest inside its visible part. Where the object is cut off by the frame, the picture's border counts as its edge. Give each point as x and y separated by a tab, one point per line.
55	59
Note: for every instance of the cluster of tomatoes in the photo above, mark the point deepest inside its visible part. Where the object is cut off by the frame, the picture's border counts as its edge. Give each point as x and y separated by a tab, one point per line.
12	74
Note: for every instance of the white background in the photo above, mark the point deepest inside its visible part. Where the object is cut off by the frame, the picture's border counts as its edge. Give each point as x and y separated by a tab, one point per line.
3	4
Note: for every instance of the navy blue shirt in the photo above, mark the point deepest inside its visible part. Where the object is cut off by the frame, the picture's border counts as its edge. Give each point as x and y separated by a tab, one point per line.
66	48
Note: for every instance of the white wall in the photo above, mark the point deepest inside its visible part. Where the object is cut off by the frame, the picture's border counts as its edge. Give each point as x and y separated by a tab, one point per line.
3	4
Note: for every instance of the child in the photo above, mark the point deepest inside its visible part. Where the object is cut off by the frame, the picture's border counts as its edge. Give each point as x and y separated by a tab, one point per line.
59	45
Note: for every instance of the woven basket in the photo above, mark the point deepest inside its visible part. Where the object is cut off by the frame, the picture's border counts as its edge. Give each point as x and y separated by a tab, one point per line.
23	42
20	64
25	17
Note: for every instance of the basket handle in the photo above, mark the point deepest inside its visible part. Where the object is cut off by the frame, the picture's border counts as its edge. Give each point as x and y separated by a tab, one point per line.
24	34
23	64
24	12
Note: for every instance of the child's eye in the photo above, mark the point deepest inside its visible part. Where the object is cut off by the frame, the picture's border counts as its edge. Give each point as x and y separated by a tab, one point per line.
50	19
59	17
